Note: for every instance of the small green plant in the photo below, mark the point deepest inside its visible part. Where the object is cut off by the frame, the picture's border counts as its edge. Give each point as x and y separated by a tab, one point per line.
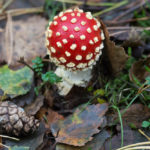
38	65
51	7
146	124
47	78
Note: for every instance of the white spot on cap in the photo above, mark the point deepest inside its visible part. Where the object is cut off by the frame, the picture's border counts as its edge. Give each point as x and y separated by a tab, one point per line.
53	50
71	64
58	44
69	10
89	56
65	28
55	23
89	30
101	46
55	17
98	23
98	55
73	46
72	14
61	14
97	49
50	23
90	62
78	57
67	53
57	33
95	39
83	23
47	42
82	37
64	41
95	27
73	20
91	42
71	36
89	15
83	47
81	65
62	59
76	28
78	14
102	35
49	33
64	18
80	10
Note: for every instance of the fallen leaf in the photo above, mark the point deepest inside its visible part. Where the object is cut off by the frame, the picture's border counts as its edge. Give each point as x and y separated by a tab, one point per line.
49	116
130	137
34	107
95	144
28	40
78	128
32	141
113	55
136	114
139	71
15	83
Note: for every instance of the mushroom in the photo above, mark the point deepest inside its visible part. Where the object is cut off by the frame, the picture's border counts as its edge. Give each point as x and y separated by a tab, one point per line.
74	43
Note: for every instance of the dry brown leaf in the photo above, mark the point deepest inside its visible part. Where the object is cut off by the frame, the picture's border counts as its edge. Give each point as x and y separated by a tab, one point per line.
114	56
49	116
28	39
135	114
79	128
138	70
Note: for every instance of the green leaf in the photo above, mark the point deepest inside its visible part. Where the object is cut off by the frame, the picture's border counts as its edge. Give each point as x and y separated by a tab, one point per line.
50	77
19	148
15	83
145	124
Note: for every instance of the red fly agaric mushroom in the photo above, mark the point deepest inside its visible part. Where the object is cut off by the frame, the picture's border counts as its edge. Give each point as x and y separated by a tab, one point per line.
74	43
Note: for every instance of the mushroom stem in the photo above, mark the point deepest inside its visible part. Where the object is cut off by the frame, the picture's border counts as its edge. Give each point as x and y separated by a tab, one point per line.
69	78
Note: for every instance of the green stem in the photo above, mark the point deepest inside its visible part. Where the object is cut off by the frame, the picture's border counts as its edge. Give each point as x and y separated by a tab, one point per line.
88	3
111	8
121	123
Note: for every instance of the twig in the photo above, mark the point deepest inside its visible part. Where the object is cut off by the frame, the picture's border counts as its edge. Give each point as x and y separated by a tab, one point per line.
9	137
4	146
148	138
111	8
133	145
21	11
24	63
9	38
127	21
116	33
130	10
88	3
128	28
6	5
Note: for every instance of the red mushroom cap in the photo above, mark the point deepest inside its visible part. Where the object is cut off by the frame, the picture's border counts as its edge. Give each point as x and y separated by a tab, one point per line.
74	40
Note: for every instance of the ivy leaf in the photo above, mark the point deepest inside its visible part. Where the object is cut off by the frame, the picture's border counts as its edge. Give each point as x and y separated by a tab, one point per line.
50	77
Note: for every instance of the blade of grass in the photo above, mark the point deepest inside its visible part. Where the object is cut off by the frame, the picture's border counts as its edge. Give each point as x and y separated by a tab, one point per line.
121	124
88	3
111	8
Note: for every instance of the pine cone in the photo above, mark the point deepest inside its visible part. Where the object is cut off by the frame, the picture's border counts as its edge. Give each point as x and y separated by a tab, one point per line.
14	120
